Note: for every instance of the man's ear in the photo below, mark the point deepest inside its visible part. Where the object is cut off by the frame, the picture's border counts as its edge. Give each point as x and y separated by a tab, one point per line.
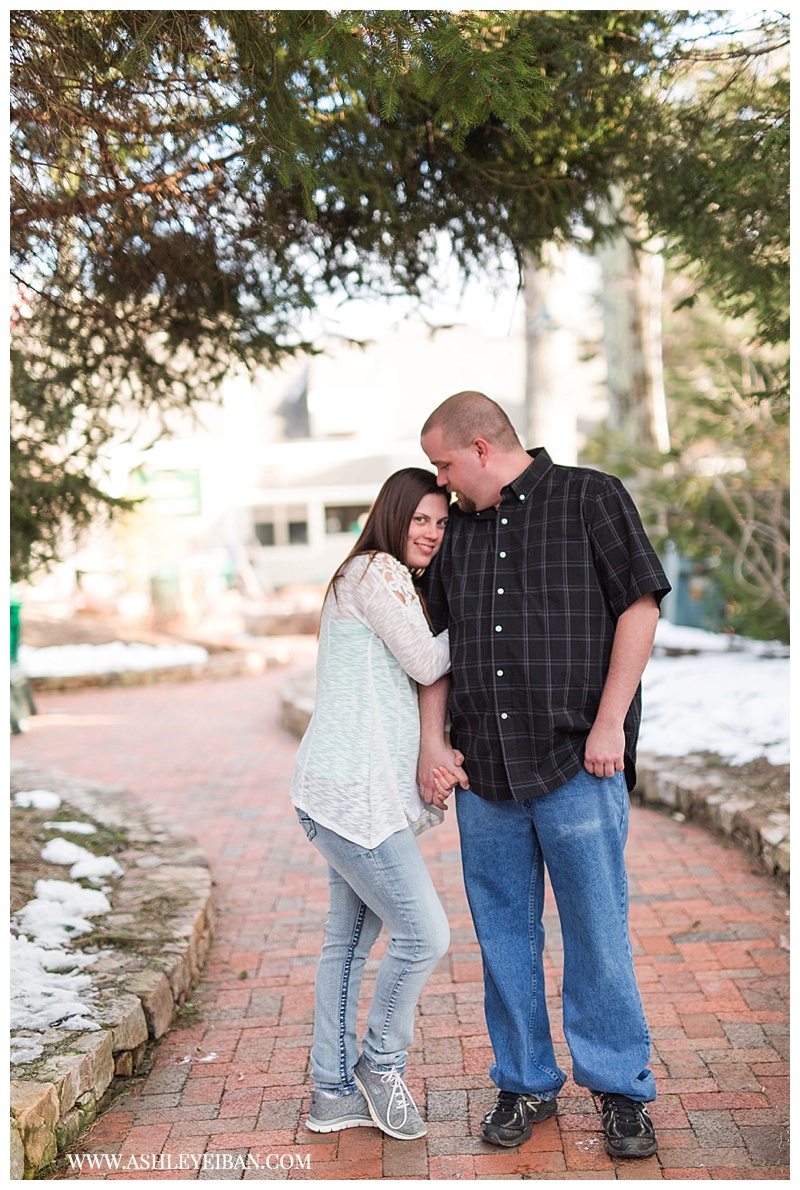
483	450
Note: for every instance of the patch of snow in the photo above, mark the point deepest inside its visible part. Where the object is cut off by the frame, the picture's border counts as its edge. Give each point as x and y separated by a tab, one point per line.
73	828
24	1049
212	1057
62	851
48	988
60	661
59	911
730	696
698	640
85	865
95	869
37	799
45	990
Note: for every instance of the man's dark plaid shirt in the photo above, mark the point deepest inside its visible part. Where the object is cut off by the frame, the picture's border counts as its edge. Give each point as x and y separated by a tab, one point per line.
531	593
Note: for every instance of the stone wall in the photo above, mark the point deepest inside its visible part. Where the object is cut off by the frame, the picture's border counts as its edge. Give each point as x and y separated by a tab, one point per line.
751	813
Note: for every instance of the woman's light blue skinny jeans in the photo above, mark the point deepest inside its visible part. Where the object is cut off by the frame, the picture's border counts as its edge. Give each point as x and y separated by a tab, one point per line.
578	832
388	884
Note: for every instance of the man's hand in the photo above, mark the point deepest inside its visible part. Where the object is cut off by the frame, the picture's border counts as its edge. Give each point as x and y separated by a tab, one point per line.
633	641
438	772
605	750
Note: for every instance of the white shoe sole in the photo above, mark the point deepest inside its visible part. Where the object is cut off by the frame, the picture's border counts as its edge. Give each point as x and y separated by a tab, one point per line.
339	1125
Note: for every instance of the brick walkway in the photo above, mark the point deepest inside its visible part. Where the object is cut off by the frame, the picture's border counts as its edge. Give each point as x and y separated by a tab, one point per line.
229	1084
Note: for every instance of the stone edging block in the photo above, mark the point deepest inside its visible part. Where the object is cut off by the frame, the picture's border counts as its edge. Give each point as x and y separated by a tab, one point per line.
720	798
219	665
154	941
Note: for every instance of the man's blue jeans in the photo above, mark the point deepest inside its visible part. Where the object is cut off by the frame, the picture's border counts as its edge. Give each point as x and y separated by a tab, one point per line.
578	832
388	884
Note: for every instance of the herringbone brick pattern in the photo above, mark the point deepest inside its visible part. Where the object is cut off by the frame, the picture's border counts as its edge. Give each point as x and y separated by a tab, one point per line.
227	1093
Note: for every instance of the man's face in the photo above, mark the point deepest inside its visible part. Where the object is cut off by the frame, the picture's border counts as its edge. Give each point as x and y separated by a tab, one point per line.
459	470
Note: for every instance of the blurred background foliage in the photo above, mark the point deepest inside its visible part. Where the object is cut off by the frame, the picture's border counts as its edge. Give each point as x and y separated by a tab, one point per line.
718	188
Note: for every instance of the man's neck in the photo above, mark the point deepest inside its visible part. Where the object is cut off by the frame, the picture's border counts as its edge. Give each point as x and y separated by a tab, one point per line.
510	467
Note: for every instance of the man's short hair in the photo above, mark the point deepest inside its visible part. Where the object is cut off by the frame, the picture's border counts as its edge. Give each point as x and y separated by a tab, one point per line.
468	415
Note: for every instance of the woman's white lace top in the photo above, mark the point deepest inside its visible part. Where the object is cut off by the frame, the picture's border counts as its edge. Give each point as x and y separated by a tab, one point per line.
355	771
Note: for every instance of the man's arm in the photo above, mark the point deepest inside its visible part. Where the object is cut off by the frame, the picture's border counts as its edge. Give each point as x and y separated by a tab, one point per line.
434	750
633	643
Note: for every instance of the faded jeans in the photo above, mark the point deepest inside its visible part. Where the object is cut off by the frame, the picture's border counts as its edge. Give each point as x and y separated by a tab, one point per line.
388	884
578	833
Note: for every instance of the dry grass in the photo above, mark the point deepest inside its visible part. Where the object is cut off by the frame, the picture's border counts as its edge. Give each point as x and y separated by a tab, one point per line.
29	835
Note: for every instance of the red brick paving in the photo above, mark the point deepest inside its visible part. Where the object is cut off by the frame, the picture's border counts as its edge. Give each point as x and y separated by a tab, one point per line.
708	933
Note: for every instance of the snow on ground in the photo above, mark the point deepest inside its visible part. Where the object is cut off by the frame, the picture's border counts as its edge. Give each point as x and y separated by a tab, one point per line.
63	851
37	799
59	912
48	987
73	828
85	864
60	661
729	696
45	986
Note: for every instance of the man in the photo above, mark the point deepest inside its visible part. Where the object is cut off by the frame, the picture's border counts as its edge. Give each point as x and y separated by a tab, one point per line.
550	589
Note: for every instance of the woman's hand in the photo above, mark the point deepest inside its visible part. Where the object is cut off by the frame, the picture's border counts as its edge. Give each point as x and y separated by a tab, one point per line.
445	783
439	773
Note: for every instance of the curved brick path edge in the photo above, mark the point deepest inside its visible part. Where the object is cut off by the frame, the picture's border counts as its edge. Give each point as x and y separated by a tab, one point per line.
228	1091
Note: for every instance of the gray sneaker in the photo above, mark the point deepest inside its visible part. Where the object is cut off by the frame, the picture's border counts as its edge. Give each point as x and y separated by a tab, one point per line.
332	1113
389	1101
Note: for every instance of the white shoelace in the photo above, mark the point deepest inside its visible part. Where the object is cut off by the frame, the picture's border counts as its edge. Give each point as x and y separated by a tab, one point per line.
400	1092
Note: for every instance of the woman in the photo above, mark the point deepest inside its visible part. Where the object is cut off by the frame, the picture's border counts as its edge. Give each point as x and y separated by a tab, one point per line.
354	787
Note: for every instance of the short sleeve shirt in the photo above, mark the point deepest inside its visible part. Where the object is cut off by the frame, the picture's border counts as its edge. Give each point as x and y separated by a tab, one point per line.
531	593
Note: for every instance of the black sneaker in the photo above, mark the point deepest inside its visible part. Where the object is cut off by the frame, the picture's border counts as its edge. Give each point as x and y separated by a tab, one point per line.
628	1128
511	1120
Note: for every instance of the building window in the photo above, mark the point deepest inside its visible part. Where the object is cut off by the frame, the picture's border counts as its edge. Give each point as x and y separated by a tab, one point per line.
345	518
279	525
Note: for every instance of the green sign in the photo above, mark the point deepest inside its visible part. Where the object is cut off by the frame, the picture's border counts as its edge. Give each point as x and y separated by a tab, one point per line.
171	493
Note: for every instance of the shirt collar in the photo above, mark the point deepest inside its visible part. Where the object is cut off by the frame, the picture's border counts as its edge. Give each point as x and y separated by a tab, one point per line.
523	486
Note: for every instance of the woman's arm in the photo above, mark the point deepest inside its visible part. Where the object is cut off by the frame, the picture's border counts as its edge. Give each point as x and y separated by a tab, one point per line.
390	605
435	752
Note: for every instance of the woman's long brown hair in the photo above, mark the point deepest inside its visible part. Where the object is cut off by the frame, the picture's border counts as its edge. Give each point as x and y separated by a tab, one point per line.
386	527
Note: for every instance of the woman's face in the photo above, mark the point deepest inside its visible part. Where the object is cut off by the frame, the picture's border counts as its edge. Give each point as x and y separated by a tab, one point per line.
426	531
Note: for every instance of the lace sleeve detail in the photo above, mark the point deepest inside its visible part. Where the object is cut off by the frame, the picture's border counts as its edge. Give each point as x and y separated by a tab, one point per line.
396	577
393	610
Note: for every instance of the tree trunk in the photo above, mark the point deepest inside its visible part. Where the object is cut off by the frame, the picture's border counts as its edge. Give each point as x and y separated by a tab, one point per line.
550	397
631	298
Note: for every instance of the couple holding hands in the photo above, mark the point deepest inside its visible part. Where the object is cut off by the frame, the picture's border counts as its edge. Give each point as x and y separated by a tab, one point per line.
492	648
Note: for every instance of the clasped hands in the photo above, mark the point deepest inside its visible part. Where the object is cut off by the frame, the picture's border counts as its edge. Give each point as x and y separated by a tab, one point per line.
439	771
